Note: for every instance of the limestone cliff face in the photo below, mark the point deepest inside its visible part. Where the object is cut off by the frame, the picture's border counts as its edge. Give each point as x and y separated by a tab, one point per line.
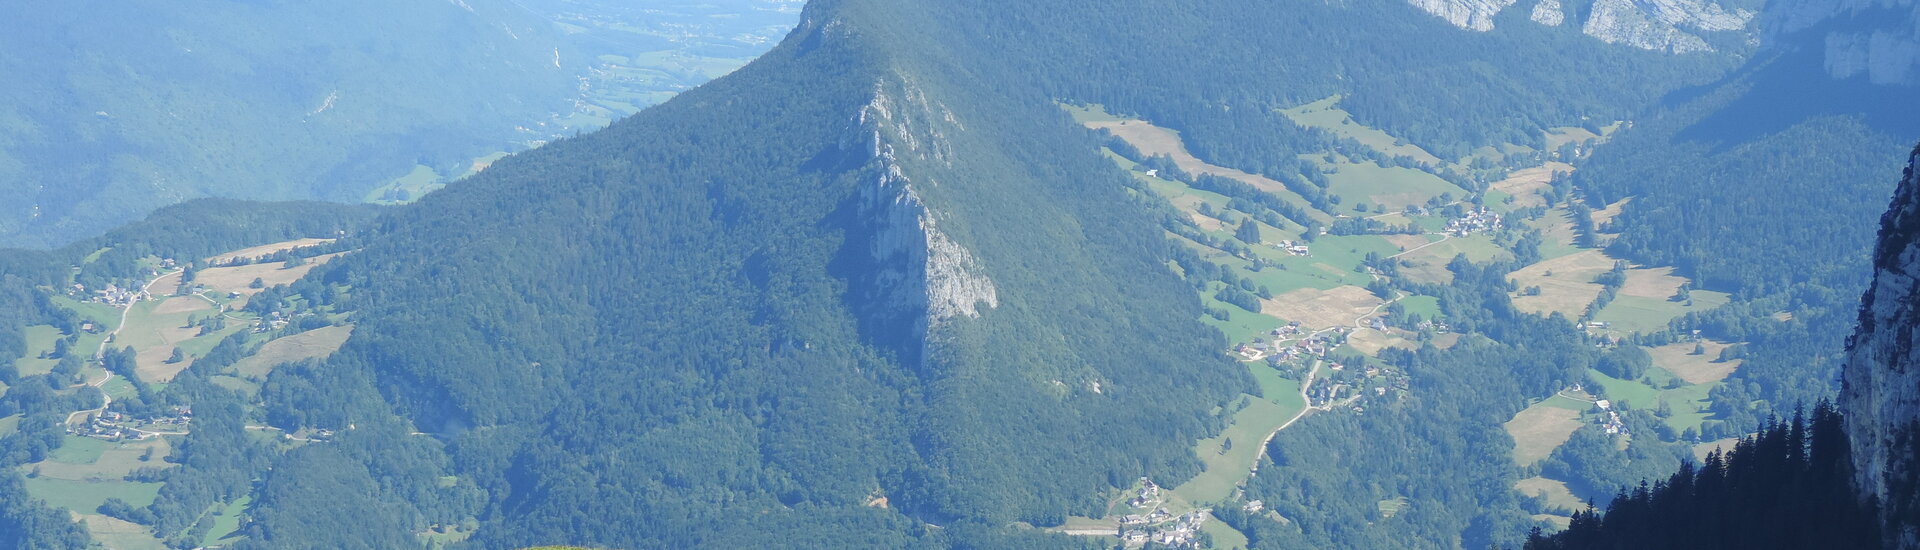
1878	40
1466	14
1880	386
1668	25
1663	25
921	277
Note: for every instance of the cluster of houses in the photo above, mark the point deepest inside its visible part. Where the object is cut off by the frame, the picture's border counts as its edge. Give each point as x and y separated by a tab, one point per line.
1296	248
1166	530
1475	221
1613	426
274	320
1276	352
113	426
113	295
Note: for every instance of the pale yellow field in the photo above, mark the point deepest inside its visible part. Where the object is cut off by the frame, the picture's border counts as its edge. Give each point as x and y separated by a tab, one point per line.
151	362
237	279
266	249
1538	430
1678	358
181	304
1657	282
120	534
1153	140
1603	215
1370	342
1527	184
1557	494
1315	308
1566	283
314	344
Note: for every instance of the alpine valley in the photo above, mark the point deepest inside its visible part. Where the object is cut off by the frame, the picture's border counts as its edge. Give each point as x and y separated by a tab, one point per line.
966	274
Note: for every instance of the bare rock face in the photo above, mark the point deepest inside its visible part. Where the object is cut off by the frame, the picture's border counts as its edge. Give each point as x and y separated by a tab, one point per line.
1666	25
1878	40
1549	13
1474	15
921	277
1880	386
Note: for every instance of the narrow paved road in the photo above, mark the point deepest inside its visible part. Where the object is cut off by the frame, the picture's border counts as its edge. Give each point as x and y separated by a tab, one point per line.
102	352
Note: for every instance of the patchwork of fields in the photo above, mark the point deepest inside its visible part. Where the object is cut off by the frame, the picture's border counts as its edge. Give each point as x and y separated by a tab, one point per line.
1314	285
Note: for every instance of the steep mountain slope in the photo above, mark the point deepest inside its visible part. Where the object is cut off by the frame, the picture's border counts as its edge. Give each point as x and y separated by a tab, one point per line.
115	108
1726	179
875	281
1881	387
749	308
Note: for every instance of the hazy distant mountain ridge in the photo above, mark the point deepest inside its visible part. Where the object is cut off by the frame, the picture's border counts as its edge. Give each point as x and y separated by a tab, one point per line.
114	109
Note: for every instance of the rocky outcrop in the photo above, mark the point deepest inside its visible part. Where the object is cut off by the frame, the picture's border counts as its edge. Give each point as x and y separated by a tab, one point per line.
1467	14
1549	13
1880	386
1664	25
918	277
1878	40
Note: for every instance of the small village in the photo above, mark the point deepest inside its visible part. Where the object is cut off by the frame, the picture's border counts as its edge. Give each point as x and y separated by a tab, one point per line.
113	426
1478	220
1159	526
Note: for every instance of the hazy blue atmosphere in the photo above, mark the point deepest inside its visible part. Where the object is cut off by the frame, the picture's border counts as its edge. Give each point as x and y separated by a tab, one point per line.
1237	274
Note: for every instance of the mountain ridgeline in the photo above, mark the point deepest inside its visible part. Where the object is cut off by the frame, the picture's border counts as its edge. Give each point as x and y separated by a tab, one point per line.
878	289
873	290
750	311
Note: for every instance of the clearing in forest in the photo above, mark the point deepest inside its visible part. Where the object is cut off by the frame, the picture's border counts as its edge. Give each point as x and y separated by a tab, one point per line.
1528	185
1429	264
266	250
1228	455
1326	114
1539	429
1601	216
313	344
1652	282
1395	187
1701	450
1153	140
1566	283
1679	359
119	534
96	459
1630	314
1318	309
239	279
1369	342
1558	496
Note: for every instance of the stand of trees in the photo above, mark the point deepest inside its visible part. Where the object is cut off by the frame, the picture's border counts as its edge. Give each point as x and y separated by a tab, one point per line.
1789	486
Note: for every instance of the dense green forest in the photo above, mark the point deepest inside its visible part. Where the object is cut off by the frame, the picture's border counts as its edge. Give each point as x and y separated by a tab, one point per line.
1788	486
878	290
1186	66
1758	185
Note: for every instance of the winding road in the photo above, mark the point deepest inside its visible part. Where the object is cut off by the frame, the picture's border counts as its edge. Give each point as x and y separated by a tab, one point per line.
102	352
